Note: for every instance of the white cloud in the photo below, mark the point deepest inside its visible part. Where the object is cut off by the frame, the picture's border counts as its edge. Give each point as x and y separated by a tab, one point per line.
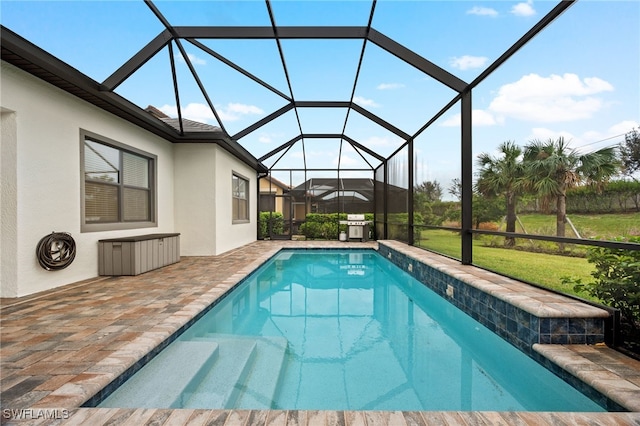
582	144
543	133
468	62
193	111
170	110
365	102
195	60
243	108
318	157
347	148
266	137
379	141
482	11
389	86
346	161
623	127
589	140
203	114
479	117
524	9
550	99
453	121
234	111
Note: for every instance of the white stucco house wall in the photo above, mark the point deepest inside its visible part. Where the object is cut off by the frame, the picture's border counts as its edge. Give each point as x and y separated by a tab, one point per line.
42	128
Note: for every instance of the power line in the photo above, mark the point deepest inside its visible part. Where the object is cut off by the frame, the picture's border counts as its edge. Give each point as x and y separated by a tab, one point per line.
602	140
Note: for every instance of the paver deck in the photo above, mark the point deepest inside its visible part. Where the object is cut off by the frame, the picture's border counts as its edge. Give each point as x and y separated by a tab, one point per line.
60	347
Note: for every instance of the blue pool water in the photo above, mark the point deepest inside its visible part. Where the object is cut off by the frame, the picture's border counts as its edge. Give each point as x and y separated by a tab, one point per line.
342	330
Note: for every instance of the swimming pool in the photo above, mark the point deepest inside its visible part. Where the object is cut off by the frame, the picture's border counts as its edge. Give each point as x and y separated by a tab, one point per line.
342	330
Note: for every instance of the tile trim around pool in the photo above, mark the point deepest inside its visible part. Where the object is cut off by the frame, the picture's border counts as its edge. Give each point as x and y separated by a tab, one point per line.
191	315
488	297
115	369
147	347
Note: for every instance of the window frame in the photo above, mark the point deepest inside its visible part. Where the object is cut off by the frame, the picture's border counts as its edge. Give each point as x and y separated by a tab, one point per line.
234	220
121	224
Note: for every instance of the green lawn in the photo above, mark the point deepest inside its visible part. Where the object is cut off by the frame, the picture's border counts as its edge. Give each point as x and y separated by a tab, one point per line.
540	268
605	226
546	269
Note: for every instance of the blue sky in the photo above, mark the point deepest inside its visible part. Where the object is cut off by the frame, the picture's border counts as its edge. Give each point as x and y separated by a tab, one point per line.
579	78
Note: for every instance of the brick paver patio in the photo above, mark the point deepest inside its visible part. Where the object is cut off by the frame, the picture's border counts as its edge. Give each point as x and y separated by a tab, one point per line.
61	347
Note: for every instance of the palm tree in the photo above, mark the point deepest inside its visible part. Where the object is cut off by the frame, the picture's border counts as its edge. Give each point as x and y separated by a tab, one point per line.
503	175
553	168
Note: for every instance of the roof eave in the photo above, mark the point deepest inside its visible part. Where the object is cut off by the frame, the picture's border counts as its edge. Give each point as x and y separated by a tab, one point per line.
23	54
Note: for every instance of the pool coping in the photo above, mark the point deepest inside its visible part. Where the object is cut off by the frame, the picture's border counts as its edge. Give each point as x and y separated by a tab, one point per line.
534	300
513	310
615	382
74	393
191	417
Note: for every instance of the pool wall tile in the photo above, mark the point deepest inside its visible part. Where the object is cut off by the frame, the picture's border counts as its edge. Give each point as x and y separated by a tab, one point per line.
516	325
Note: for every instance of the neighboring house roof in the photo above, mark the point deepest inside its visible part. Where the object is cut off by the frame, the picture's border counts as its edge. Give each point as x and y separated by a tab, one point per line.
328	189
277	182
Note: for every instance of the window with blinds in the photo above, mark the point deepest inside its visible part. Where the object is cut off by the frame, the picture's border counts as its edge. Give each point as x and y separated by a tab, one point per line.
118	184
240	199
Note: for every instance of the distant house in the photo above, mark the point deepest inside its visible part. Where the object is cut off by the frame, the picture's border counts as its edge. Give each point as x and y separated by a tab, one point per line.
332	195
272	195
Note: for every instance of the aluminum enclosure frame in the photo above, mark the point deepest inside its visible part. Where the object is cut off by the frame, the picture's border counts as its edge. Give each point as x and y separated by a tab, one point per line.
25	55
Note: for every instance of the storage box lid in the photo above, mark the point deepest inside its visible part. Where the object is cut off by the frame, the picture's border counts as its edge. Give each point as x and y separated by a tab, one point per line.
135	238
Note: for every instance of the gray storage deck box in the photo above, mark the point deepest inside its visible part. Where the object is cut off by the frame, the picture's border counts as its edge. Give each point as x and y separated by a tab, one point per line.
136	255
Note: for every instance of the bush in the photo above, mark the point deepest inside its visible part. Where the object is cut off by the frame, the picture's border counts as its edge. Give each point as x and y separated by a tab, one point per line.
275	220
403	218
326	225
621	196
322	226
330	230
399	226
311	230
441	208
617	284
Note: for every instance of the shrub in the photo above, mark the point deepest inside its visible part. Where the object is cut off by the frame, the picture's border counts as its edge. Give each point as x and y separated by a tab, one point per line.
326	225
275	220
322	226
399	226
311	230
488	226
330	230
617	195
617	283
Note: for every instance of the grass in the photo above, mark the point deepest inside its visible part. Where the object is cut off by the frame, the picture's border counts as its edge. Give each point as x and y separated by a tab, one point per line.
535	261
539	268
605	226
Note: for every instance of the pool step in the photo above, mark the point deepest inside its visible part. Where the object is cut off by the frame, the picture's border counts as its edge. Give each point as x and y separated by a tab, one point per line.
262	381
165	376
216	389
251	380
